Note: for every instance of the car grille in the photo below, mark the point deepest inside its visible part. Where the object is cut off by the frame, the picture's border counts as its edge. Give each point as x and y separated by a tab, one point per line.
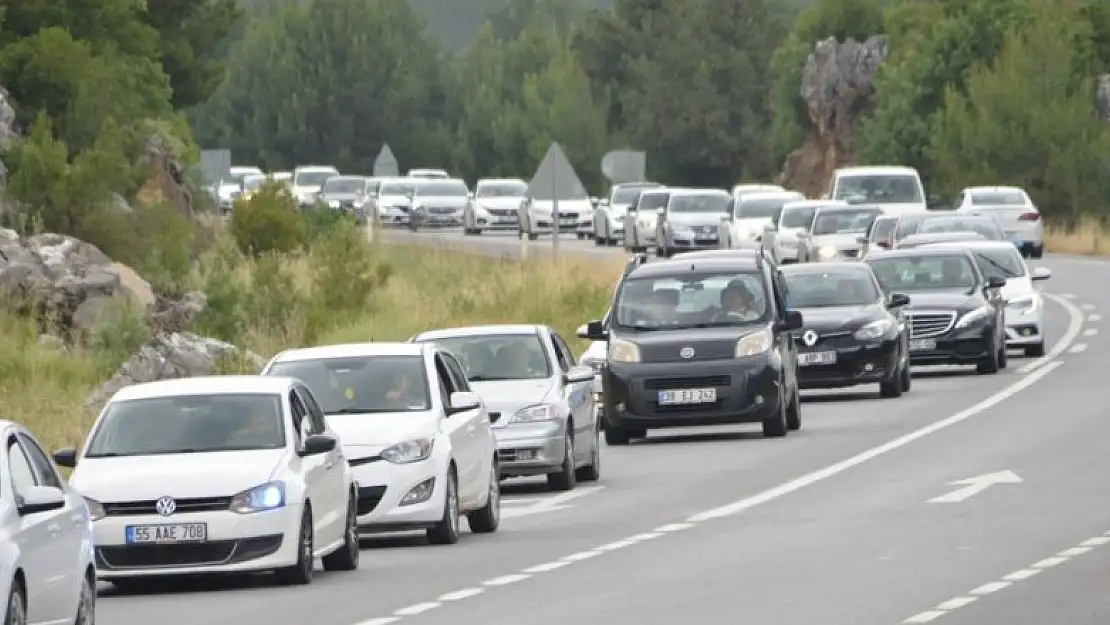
704	230
566	215
368	498
501	212
926	324
440	210
184	506
186	554
829	340
666	384
849	253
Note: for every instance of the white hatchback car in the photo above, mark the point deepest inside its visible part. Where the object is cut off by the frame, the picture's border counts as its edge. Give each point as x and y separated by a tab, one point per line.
1014	211
418	440
219	474
46	541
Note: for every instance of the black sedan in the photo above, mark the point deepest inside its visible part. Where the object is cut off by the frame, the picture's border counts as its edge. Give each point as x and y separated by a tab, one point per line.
958	313
853	333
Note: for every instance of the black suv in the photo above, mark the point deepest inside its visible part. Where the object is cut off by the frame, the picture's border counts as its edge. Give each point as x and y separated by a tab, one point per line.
683	352
956	312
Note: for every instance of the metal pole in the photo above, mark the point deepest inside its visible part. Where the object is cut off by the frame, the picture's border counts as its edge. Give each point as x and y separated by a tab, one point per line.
556	222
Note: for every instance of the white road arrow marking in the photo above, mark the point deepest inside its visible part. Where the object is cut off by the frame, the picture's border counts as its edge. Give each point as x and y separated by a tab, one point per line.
548	504
974	485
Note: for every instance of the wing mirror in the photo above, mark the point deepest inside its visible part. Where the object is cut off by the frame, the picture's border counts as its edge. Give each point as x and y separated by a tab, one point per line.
792	320
898	300
861	240
462	402
579	373
40	499
66	457
316	444
1041	273
996	282
661	212
583	331
595	331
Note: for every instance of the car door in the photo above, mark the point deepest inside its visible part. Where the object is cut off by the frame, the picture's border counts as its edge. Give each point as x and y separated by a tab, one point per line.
788	350
335	493
480	440
314	472
459	427
579	398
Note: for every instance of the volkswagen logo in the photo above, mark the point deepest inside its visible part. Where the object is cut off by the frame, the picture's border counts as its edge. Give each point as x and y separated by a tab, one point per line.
809	338
687	353
165	506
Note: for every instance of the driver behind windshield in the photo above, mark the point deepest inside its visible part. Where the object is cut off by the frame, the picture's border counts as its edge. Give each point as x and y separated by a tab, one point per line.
403	392
737	304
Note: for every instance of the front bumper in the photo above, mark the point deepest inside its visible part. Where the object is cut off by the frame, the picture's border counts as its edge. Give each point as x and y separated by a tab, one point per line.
530	448
383	485
747	391
437	220
857	362
393	217
237	543
1024	329
568	222
693	243
497	220
955	347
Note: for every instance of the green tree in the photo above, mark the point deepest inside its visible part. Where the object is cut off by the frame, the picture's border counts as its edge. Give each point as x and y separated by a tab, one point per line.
191	33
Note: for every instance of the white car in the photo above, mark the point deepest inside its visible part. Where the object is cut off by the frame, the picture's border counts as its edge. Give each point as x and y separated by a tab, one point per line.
536	217
428	173
747	218
231	188
495	205
641	218
1024	303
896	190
46	541
611	211
1014	211
308	181
392	201
781	239
418	440
215	474
740	190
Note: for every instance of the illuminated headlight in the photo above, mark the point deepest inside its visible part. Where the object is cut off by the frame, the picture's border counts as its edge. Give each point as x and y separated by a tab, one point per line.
333	203
975	317
623	351
260	498
541	412
874	330
827	252
754	344
408	452
96	510
1024	305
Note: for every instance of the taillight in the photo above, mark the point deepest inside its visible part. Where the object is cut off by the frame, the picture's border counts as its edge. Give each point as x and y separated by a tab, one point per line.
1030	217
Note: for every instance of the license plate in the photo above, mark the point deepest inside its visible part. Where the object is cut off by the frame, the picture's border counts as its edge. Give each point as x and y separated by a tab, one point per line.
816	358
688	396
923	345
167	534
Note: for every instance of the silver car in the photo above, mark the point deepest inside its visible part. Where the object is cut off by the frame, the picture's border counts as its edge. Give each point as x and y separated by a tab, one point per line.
641	217
836	233
527	376
438	202
495	205
611	211
689	221
393	201
1013	209
348	194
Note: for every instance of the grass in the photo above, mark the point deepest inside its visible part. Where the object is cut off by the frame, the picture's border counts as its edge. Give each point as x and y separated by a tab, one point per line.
1090	238
385	293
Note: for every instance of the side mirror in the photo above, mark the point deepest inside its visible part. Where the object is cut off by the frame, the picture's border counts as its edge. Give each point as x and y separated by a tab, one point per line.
66	457
578	373
883	244
996	282
1041	273
463	401
861	240
595	331
898	300
317	444
661	212
40	499
792	320
583	331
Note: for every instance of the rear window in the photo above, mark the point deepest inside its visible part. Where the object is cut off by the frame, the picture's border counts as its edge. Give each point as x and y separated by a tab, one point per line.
986	227
799	217
652	201
998	198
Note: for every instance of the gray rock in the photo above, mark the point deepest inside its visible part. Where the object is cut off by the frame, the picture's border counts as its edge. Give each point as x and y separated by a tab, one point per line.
171	356
8	130
1103	93
169	315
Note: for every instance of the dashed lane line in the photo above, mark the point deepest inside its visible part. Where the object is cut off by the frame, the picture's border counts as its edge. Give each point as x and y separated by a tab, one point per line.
1078	348
1075	326
1089	332
947	607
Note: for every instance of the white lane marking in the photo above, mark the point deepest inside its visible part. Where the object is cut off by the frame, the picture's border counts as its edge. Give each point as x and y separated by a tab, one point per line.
1075	325
459	595
1068	295
960	601
674	527
1090	332
419	608
1094	317
801	482
1078	348
380	621
582	555
1088	306
541	505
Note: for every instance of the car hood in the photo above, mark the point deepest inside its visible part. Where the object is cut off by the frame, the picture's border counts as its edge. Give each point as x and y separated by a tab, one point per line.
839	318
1016	288
368	433
452	201
144	478
499	202
944	300
695	219
619	208
564	205
508	396
750	227
394	200
707	343
842	241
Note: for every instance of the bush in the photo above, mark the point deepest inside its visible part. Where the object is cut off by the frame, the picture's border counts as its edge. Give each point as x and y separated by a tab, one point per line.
268	222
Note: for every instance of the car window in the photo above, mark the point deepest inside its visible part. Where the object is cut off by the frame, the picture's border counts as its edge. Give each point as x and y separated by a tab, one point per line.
882	229
676	302
880	189
925	273
362	384
986	227
1000	262
699	203
998	198
458	378
19	468
844	221
799	217
562	352
649	202
315	413
299	413
45	472
824	289
445	385
486	357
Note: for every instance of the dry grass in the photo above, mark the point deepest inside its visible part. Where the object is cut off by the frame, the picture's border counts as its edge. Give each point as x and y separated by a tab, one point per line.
1090	238
428	288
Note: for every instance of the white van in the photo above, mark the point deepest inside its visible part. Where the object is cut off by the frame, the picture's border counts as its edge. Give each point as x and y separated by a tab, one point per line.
896	190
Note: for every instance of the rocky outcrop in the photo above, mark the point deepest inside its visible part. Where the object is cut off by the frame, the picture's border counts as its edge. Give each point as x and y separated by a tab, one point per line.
1103	94
838	89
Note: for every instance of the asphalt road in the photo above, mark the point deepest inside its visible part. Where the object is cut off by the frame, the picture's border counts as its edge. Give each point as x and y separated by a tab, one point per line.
832	525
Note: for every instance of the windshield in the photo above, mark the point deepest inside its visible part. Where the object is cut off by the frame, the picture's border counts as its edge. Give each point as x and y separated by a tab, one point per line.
652	201
750	209
924	273
811	289
345	185
800	217
189	424
1000	262
442	188
499	357
883	228
707	203
253	183
998	198
984	226
625	195
362	384
314	178
237	177
671	303
501	189
845	221
882	189
397	188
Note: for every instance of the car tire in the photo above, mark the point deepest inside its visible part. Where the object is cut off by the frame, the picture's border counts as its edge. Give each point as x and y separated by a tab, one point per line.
616	436
1003	356
775	427
86	600
300	573
487	519
989	364
446	531
592	472
906	377
894	386
581	236
1035	351
17	605
565	477
346	557
1038	251
794	412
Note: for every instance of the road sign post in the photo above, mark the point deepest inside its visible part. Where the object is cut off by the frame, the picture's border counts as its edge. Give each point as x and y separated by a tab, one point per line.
555	181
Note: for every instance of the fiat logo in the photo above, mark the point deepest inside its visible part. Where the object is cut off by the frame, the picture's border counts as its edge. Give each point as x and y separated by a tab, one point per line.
687	353
809	338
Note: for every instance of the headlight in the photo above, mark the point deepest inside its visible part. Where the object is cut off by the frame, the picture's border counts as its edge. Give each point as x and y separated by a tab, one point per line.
976	316
532	414
874	330
788	243
681	229
827	252
408	451
333	203
96	510
754	344
260	498
623	351
1023	305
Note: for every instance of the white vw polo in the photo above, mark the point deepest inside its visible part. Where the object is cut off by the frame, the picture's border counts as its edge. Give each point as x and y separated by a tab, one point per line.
417	438
215	475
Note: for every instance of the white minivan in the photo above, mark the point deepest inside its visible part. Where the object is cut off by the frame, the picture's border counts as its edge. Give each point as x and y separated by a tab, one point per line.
896	190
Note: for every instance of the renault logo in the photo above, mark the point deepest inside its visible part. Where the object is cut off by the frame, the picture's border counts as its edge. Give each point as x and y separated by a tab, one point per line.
809	338
165	506
687	353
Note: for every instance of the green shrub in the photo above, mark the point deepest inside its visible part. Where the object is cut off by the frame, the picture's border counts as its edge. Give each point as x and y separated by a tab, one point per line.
268	222
345	273
224	317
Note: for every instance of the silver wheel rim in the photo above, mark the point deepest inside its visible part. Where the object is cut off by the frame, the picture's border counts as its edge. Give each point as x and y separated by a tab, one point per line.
352	530
570	451
452	506
86	608
495	494
17	615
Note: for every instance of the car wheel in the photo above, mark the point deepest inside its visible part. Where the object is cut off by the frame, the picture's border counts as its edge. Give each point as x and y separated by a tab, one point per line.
1038	252
86	600
794	412
346	557
989	363
300	573
907	377
446	532
617	436
775	427
487	518
1003	356
592	471
893	386
599	241
17	606
1035	351
564	478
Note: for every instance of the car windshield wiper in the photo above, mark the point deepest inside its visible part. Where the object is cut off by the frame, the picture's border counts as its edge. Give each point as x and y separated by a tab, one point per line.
1005	272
